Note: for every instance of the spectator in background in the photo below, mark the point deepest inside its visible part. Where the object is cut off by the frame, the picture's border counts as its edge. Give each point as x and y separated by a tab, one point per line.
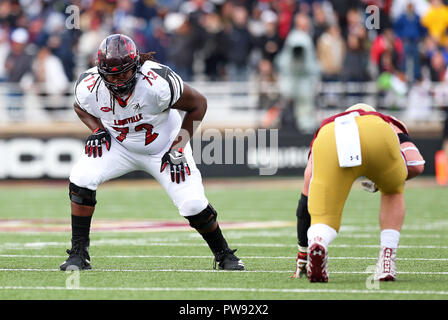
285	10
270	41
147	9
170	5
11	14
429	47
123	15
17	65
216	46
356	61
398	7
154	38
298	70
18	62
240	46
387	52
94	30
341	9
355	24
50	78
61	41
196	7
320	23
267	83
180	53
392	57
331	53
438	67
4	51
226	12
436	21
409	29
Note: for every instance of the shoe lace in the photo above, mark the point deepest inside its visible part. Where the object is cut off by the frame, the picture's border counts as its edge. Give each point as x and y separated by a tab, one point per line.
220	256
77	249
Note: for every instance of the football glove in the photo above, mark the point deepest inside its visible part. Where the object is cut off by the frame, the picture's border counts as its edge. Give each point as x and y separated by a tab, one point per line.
178	164
94	143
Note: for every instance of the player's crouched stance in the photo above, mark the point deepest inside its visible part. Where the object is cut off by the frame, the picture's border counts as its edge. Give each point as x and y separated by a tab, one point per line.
131	103
359	142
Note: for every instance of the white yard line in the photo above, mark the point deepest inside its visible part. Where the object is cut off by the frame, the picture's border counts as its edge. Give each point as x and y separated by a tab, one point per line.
148	243
206	270
207	257
259	290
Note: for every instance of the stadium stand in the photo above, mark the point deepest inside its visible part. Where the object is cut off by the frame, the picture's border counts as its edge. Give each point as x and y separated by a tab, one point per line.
386	53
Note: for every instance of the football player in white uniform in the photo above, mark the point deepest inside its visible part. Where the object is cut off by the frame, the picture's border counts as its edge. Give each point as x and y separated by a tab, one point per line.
131	103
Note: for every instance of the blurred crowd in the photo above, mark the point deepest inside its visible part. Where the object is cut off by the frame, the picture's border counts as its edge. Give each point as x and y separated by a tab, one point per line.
289	43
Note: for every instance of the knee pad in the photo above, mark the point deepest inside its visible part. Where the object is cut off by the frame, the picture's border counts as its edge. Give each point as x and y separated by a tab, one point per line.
82	196
204	220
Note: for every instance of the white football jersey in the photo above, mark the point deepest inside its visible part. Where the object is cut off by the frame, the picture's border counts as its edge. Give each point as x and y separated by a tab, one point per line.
146	124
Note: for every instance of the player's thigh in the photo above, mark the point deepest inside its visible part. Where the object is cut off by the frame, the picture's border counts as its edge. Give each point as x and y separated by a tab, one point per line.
189	195
90	172
330	184
382	159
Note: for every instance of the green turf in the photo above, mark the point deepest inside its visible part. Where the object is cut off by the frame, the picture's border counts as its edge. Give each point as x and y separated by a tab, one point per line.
178	265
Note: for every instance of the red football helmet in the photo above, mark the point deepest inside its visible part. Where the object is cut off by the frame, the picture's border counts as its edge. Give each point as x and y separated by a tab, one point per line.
118	54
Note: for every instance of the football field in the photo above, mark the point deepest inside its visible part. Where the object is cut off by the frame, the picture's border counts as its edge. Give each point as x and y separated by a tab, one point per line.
141	248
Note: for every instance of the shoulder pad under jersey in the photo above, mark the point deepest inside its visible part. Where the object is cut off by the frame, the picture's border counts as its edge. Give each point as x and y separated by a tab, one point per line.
86	86
169	84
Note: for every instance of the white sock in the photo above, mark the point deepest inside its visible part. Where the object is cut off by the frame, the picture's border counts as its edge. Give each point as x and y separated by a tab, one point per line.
325	232
390	238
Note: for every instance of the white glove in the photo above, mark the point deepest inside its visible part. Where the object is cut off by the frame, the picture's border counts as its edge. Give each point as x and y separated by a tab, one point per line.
369	186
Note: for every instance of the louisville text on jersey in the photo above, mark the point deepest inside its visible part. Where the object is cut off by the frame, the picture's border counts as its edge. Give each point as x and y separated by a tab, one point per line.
132	119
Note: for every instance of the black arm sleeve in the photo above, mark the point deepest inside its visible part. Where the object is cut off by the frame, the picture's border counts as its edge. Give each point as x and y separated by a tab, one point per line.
403	137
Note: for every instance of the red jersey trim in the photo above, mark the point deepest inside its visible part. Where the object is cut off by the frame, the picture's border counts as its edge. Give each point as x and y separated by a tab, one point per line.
388	119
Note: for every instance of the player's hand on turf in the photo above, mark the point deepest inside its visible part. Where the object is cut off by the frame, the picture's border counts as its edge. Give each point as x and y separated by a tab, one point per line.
94	143
178	164
369	186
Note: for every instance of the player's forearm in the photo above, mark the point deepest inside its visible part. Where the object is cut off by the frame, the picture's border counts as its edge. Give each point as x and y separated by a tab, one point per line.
90	121
414	161
191	121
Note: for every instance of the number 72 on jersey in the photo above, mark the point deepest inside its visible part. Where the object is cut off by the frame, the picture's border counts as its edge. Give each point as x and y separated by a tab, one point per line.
149	137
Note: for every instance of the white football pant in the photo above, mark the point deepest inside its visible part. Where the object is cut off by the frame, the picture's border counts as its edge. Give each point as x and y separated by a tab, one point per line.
188	196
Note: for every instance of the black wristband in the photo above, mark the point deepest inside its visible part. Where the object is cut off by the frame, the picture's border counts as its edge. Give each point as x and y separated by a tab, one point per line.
403	137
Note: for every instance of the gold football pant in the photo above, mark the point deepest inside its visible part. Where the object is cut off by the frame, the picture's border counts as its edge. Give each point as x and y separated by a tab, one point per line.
330	184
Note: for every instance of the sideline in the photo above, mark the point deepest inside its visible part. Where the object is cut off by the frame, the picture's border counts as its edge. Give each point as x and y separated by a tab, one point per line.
281	183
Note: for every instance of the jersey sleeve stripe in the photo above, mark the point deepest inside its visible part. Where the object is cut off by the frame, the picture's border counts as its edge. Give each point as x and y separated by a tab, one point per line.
174	81
178	86
170	84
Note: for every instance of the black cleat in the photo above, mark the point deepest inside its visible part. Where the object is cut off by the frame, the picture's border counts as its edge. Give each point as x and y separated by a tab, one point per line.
228	261
78	259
